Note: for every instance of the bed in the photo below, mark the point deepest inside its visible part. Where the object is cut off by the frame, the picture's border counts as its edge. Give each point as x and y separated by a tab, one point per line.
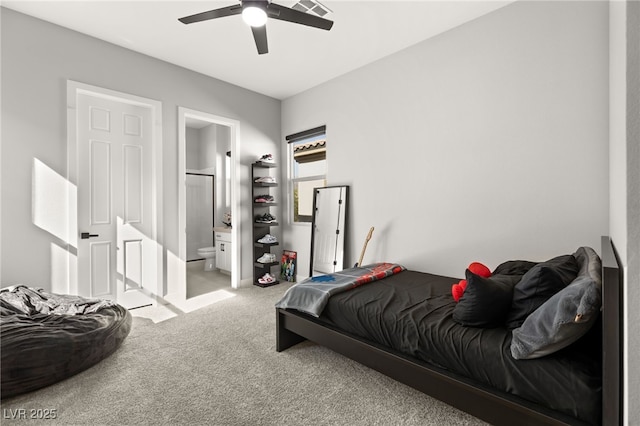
583	380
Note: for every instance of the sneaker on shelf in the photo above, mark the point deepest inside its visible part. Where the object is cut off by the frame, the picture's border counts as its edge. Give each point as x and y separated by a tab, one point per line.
267	158
268	239
265	179
267	258
267	279
266	218
265	198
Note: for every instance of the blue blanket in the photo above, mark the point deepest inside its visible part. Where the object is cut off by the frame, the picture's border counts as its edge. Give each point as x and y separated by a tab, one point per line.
311	295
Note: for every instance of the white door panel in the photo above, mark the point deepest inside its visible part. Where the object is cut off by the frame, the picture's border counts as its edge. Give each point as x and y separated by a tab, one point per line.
100	269
119	260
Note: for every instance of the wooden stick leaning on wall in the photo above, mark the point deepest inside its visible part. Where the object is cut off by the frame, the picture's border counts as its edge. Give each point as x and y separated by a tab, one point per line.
364	247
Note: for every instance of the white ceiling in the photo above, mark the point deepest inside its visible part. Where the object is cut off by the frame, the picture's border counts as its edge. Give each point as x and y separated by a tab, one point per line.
299	57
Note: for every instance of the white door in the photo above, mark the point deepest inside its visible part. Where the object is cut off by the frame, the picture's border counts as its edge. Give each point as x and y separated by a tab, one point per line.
117	258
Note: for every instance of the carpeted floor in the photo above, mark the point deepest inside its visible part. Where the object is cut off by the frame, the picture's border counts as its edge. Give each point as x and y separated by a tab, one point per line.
218	366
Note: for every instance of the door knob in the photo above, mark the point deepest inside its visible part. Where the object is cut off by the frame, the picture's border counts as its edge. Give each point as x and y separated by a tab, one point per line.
86	235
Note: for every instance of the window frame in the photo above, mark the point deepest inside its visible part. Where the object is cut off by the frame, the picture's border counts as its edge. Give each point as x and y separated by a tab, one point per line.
293	181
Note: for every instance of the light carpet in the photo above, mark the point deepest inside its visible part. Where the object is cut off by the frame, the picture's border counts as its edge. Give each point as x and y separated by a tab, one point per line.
218	366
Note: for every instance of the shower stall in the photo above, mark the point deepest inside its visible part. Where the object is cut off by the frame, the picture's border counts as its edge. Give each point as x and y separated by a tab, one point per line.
200	213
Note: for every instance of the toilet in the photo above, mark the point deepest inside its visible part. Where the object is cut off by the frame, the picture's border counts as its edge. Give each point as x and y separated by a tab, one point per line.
209	255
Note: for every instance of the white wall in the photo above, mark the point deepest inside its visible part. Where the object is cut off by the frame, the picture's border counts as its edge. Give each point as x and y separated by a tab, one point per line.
223	137
37	60
633	209
488	142
625	177
617	132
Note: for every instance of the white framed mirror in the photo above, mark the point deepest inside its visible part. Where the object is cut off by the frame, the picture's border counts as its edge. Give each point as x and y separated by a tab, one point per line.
328	230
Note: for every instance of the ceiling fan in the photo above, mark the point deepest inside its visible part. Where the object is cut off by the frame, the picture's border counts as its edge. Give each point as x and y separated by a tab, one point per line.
255	14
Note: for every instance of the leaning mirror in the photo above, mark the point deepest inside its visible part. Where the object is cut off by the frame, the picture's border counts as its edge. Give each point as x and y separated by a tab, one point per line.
328	230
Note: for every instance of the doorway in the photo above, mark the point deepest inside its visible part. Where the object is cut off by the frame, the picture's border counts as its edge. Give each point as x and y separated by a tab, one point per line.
114	161
205	272
197	156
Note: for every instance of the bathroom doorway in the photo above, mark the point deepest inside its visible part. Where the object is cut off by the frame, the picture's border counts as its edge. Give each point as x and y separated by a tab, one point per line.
205	273
207	198
206	145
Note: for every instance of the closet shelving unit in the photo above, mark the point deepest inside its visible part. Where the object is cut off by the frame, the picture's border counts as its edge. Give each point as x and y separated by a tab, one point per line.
260	169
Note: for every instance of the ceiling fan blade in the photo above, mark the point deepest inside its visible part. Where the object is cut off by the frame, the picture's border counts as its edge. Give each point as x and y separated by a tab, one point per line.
284	13
260	36
212	14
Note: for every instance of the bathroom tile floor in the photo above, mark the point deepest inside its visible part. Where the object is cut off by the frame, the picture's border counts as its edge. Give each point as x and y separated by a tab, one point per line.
201	282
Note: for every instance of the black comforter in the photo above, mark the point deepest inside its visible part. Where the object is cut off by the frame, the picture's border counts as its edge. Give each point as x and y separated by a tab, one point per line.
411	313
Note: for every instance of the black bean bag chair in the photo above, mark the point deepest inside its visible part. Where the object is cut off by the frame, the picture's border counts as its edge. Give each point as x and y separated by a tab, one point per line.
45	337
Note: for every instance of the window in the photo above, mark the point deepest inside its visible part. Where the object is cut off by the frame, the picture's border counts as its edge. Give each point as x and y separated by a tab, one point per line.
308	162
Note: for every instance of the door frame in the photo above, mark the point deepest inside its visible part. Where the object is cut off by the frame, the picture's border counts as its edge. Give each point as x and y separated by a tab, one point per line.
234	127
74	89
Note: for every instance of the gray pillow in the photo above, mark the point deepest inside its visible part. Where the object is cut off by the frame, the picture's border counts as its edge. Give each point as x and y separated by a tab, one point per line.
566	316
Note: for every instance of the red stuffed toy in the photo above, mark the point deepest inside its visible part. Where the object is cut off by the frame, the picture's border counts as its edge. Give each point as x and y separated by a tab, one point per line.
457	290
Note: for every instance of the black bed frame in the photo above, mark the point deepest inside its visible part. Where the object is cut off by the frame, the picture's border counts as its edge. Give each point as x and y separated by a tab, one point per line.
495	407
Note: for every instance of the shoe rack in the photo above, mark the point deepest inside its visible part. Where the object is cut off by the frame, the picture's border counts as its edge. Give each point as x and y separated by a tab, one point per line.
261	169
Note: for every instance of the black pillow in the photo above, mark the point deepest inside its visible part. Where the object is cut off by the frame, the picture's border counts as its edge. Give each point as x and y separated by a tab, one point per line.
540	283
486	301
514	267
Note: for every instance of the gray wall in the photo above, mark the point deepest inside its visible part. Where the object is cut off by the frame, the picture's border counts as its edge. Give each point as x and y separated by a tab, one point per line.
488	142
37	60
192	148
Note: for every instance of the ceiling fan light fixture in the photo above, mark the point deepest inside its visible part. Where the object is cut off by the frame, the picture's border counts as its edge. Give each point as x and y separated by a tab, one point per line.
254	16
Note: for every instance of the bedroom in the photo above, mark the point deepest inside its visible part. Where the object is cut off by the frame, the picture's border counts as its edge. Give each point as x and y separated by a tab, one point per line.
465	85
